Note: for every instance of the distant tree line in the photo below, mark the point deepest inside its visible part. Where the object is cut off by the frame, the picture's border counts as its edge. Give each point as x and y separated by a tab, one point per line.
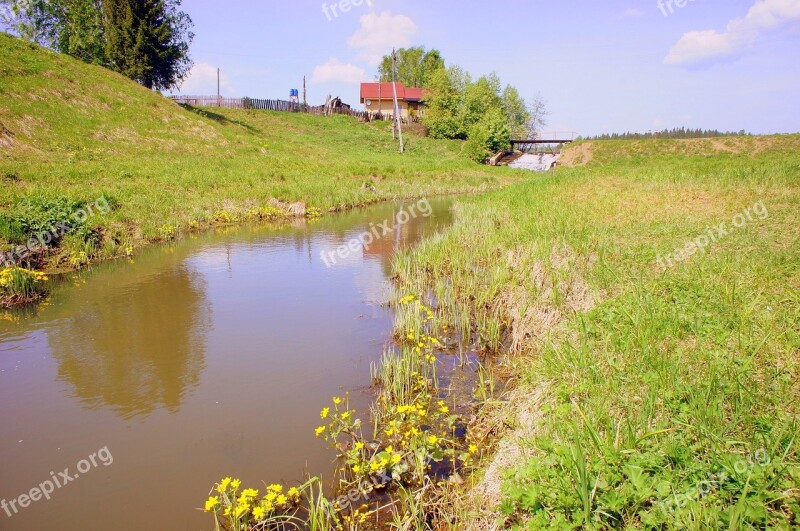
146	40
681	132
481	111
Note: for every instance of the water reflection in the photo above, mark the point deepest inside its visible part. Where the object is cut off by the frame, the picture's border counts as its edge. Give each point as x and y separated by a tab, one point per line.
132	350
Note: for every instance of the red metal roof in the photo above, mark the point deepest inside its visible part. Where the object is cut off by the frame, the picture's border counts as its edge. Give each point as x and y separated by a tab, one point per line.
373	91
415	94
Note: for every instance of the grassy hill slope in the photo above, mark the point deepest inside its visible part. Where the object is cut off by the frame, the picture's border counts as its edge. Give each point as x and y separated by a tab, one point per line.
71	131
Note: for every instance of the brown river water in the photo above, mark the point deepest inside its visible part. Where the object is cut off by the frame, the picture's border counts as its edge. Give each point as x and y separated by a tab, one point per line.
141	383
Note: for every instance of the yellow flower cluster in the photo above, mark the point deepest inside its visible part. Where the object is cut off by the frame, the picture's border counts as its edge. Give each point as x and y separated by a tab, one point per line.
245	507
341	419
11	276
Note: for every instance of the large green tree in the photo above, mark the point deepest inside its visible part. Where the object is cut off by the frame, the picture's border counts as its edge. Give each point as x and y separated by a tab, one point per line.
482	111
414	66
73	27
148	40
445	100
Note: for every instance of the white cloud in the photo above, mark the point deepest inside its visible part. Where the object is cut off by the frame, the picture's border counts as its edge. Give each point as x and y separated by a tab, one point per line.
697	47
202	81
334	71
633	12
378	34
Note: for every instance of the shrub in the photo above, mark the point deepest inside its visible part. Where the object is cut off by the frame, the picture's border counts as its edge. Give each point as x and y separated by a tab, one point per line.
488	136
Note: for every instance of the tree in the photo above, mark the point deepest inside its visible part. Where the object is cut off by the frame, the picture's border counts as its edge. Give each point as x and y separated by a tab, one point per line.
73	27
415	66
490	135
480	98
80	31
516	111
33	20
148	41
444	103
537	117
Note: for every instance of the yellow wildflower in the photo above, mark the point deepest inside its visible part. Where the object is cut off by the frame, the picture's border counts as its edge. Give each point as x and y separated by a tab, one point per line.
337	400
241	509
282	500
212	503
433	439
259	513
324	413
473	448
224	484
319	430
293	493
275	488
236	483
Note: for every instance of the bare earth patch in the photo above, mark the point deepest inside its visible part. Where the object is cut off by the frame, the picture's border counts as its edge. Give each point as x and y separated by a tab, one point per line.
512	451
6	136
578	155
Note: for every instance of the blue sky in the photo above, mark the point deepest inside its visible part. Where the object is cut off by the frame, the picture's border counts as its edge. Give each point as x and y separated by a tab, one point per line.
601	66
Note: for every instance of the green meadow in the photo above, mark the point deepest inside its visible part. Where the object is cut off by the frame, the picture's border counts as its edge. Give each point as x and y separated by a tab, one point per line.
637	396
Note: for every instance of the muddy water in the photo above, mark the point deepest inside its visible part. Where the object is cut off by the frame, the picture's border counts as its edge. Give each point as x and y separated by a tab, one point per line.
151	380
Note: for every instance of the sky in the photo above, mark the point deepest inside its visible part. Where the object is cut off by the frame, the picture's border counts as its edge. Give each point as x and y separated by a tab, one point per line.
600	66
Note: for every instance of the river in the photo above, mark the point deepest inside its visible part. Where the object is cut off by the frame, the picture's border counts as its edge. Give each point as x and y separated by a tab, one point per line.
148	380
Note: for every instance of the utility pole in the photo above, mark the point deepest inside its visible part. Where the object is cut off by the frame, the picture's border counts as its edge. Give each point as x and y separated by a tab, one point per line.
305	101
219	100
397	122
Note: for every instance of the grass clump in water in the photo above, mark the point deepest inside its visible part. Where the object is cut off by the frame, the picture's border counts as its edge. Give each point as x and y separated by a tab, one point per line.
19	285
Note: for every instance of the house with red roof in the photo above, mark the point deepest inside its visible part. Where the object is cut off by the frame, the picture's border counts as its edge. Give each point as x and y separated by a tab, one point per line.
379	97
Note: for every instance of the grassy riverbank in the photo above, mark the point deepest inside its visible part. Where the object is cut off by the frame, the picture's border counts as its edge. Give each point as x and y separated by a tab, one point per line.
631	384
71	133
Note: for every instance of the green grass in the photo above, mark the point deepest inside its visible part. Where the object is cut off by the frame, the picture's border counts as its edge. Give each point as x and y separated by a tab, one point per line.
656	380
71	132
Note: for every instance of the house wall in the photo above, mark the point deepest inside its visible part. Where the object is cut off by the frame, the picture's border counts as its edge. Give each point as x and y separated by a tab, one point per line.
387	106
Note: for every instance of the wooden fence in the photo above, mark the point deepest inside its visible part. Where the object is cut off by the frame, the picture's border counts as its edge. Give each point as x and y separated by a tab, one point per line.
277	105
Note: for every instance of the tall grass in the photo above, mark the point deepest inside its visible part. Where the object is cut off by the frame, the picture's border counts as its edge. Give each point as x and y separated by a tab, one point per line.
661	380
